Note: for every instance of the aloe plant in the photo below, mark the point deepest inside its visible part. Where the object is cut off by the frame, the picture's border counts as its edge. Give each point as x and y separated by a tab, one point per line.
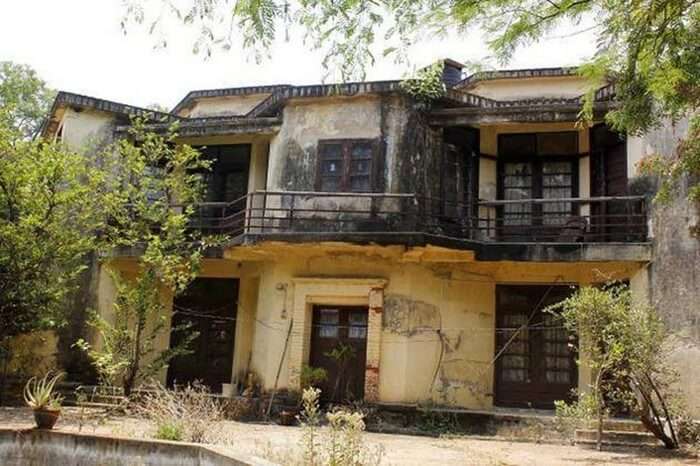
39	393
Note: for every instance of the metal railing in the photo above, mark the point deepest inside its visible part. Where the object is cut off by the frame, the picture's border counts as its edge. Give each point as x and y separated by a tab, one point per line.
323	214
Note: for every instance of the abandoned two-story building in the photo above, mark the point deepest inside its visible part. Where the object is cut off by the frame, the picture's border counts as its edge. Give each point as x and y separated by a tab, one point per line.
421	241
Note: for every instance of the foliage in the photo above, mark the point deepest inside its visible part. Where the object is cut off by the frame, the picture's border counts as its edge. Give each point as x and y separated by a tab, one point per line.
343	444
40	393
648	47
310	419
129	353
49	199
311	376
189	414
570	416
685	161
25	97
427	85
437	422
621	340
155	188
169	432
342	354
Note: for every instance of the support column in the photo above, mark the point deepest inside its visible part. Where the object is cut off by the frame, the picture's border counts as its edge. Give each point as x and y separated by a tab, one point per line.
374	336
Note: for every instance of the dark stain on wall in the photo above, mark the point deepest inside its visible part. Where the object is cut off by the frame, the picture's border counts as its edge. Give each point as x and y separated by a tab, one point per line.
299	172
406	316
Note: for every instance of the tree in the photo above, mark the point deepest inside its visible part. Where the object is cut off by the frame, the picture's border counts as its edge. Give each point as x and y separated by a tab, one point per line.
48	201
622	342
648	47
155	188
24	96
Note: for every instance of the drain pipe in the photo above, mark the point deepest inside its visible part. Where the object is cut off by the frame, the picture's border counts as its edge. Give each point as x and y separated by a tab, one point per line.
279	368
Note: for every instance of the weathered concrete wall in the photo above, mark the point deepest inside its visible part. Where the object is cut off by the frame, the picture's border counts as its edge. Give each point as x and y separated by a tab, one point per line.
293	152
86	129
45	447
675	272
223	106
516	89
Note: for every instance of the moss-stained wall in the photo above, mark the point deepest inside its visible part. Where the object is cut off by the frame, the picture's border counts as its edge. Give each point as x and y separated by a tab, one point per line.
674	275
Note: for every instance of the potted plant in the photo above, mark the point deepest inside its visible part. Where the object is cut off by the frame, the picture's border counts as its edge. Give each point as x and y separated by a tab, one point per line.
40	395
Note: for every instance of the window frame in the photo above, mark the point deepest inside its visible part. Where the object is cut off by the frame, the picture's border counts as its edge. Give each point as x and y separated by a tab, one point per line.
345	178
537	161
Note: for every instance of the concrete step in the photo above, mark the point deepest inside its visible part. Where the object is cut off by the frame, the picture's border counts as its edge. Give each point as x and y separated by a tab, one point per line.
616	438
620	425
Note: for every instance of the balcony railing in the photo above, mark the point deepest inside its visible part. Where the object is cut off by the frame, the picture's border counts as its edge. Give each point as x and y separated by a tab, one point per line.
290	213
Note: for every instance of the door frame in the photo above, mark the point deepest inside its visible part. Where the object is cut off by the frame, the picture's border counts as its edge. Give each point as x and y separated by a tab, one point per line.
342	336
336	292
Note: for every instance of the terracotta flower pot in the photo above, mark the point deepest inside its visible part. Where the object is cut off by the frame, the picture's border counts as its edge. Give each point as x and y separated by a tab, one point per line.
46	418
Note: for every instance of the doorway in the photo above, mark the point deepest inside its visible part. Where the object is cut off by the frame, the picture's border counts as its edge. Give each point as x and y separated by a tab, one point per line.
208	307
339	346
537	367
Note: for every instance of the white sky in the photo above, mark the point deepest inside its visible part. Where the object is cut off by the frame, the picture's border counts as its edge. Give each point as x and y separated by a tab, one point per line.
78	46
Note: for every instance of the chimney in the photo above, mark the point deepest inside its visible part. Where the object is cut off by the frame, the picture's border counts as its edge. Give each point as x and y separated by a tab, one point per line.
451	72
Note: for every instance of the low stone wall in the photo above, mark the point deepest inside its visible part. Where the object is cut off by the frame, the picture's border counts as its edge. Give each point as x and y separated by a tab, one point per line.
44	447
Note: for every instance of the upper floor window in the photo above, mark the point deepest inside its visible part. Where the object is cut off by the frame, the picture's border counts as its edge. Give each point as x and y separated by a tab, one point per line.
347	165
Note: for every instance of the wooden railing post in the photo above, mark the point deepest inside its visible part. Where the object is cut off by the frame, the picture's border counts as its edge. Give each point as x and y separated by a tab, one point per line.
291	213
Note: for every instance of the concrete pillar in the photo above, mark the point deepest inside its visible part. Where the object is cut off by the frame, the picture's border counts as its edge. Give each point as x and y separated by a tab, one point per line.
374	336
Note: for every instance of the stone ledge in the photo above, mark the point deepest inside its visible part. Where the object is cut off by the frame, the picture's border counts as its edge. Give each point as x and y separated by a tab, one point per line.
34	446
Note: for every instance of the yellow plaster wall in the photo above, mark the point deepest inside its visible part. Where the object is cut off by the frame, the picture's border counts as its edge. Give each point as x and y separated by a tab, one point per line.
515	89
86	129
33	354
424	292
213	268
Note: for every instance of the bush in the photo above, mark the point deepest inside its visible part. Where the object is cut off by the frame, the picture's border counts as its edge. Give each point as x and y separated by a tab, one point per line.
189	414
169	432
342	444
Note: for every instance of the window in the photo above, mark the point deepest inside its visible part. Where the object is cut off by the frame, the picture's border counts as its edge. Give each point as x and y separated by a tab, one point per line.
538	166
347	165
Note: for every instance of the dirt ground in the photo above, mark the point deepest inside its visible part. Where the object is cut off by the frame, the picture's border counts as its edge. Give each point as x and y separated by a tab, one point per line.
277	443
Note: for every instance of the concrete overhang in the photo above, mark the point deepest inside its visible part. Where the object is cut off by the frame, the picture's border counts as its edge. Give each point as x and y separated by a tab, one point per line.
481	250
541	113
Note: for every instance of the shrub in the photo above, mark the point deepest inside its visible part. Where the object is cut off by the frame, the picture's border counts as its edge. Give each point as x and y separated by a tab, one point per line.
342	444
189	414
169	432
311	376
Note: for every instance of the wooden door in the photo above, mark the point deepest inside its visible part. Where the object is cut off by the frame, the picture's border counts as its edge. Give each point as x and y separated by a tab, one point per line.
339	345
610	220
537	367
208	306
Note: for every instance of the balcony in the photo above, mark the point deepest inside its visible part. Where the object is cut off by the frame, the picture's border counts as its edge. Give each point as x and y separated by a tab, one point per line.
603	228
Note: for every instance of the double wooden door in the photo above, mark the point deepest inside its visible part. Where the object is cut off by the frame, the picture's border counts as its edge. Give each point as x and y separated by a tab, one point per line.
207	307
339	346
537	366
